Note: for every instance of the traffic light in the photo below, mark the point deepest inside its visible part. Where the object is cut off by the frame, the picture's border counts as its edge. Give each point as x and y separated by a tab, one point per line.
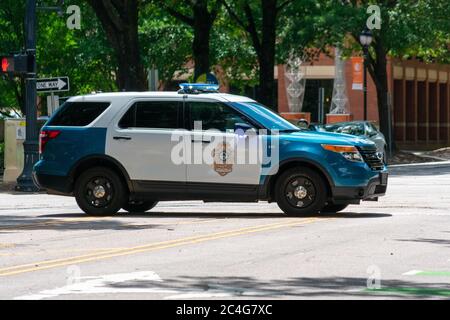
15	64
7	64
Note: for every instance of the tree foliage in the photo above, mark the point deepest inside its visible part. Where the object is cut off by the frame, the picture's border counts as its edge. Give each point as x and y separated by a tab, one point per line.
83	55
120	22
245	40
12	15
409	29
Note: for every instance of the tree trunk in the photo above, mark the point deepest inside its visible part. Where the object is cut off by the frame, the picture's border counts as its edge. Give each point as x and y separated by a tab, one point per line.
201	22
383	110
120	22
266	53
266	80
200	46
379	75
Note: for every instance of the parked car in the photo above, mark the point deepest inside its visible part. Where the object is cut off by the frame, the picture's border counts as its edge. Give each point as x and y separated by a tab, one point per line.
364	129
118	150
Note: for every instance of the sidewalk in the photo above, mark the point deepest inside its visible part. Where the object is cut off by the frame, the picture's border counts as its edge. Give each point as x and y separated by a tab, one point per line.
435	164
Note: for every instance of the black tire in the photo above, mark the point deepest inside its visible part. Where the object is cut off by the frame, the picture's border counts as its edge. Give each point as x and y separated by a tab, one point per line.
310	188
334	208
100	192
139	206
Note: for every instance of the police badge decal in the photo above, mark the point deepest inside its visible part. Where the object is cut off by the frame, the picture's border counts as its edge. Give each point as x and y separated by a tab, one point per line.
223	156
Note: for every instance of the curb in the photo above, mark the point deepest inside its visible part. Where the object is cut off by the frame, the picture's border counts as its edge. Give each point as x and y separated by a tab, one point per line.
431	165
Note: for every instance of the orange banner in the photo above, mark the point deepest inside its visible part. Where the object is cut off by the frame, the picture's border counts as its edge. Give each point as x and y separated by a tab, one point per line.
357	68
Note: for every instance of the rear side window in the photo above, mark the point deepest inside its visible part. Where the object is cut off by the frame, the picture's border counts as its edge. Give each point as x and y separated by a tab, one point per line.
78	114
153	115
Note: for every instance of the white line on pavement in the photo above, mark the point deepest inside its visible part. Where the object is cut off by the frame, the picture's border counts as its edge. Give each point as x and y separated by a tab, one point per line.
104	284
139	283
412	273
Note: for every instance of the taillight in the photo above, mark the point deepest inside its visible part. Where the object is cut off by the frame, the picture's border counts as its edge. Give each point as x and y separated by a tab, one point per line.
46	136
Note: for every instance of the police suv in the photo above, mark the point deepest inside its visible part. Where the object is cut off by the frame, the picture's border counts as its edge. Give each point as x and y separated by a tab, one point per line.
131	150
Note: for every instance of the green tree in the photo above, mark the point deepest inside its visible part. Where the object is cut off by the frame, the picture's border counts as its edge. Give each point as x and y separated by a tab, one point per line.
200	16
167	46
166	43
120	21
259	18
409	29
83	55
233	54
12	15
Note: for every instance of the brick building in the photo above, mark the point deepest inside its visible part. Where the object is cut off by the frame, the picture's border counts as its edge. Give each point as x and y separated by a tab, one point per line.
420	95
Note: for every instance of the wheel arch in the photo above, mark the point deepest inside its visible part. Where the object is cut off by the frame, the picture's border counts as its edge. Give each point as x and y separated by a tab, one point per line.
100	161
268	187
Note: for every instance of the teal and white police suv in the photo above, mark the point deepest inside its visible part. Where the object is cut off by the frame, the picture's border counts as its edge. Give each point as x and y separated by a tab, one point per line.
131	150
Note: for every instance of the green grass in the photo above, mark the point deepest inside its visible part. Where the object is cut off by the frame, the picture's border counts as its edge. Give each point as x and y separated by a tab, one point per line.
412	291
434	273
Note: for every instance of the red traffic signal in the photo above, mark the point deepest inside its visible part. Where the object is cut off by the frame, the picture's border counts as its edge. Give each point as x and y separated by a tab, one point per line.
7	64
15	64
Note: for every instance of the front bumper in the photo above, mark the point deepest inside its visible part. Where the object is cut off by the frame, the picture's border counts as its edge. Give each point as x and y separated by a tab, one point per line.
375	188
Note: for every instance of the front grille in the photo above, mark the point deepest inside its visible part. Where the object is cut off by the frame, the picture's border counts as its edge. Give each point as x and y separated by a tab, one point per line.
371	157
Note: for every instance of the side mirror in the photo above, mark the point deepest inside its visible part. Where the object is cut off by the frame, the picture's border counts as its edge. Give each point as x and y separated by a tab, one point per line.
241	128
303	124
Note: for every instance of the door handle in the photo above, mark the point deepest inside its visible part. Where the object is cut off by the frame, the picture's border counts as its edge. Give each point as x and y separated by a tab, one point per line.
122	138
202	141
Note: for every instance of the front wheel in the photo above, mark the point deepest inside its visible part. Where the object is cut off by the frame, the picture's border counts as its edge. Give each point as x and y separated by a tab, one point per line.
100	192
300	192
139	206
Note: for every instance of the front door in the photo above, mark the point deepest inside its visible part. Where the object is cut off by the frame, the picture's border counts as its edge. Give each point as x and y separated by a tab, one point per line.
219	155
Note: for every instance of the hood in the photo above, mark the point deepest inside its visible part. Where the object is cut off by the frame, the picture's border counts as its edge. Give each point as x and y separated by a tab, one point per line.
328	138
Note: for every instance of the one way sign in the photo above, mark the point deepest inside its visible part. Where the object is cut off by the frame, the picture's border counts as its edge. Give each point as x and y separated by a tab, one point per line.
53	84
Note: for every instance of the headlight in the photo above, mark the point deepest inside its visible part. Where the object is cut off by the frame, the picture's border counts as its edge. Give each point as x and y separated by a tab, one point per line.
348	152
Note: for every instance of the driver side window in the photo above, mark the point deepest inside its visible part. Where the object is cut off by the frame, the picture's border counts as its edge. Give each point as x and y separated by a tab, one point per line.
213	115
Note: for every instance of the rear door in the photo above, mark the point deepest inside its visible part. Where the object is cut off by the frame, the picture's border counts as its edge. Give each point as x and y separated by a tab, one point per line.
141	140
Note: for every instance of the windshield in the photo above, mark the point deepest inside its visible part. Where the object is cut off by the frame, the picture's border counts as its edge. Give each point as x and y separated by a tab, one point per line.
265	116
356	129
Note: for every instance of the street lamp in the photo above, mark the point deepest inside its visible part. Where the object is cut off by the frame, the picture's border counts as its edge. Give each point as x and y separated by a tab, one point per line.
31	144
365	38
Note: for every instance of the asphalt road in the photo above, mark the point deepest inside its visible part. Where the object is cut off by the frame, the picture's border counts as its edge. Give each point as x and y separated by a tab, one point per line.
398	247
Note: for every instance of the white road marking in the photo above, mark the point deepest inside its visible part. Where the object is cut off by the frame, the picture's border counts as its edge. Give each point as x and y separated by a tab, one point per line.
104	284
412	273
140	282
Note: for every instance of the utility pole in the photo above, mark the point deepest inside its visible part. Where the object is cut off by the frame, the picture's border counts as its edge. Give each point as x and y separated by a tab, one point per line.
31	145
366	52
321	113
365	39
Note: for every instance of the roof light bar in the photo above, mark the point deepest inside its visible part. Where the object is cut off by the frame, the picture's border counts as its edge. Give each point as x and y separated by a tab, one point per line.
196	88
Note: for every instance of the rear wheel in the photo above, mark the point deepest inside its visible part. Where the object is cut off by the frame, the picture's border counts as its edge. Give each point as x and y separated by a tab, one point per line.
139	206
334	208
100	192
300	192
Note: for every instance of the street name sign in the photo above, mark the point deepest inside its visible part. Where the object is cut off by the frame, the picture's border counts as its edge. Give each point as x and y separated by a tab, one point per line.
58	84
